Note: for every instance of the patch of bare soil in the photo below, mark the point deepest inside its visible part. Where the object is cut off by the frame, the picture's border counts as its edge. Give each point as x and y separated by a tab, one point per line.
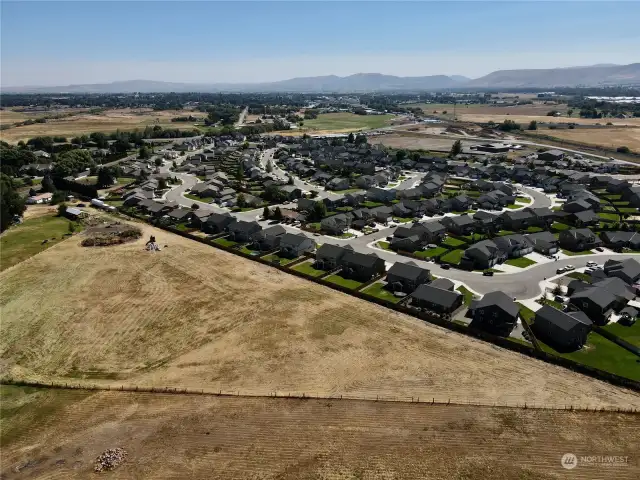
101	234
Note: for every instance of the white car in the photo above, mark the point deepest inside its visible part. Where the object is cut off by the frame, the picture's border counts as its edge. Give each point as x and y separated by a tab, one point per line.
592	264
569	267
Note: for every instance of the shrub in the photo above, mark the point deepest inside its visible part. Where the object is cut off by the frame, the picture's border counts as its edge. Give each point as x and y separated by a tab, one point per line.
623	149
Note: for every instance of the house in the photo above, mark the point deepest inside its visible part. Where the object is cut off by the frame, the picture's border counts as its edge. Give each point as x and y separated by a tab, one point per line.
514	245
597	303
618	288
406	277
495	312
543	242
242	231
328	256
517	220
336	224
542	217
361	267
399	210
627	270
366	181
409	193
437	299
620	240
199	217
482	255
353	199
337	184
292	191
551	155
218	223
578	239
461	203
376	194
461	225
382	214
486	222
269	238
41	198
567	331
306	204
179	215
74	213
293	245
584	218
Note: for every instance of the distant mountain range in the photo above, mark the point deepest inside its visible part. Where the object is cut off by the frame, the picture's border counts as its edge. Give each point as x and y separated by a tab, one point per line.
596	75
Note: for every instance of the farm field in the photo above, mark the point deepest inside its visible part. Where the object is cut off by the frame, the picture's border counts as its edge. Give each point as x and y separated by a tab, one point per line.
182	436
418	142
197	317
107	121
333	122
606	137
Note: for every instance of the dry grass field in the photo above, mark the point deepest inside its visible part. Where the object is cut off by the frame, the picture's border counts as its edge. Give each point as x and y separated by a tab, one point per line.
108	121
51	434
606	137
194	316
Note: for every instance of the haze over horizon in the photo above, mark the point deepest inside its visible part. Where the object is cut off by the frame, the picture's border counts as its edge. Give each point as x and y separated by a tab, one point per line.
251	42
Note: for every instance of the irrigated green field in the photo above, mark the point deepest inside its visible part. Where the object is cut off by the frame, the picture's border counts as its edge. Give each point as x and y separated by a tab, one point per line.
347	121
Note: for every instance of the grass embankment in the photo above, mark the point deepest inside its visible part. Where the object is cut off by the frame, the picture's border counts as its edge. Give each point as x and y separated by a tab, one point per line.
25	240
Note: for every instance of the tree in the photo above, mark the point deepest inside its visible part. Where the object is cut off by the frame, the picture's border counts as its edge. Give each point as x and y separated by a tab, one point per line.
533	125
269	167
314	193
62	209
105	178
47	184
174	164
290	181
623	149
361	139
351	138
239	173
570	112
144	153
158	162
266	213
195	206
58	196
241	200
32	192
162	184
319	211
277	214
401	155
456	148
11	203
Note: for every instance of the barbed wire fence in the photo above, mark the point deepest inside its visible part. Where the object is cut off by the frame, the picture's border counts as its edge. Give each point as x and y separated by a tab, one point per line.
424	400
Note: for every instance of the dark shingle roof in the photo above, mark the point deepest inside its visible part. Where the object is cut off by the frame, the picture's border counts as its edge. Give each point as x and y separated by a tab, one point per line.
407	270
501	300
365	260
443	283
435	295
561	319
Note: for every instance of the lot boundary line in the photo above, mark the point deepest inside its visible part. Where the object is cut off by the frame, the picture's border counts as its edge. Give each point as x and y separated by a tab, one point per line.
310	396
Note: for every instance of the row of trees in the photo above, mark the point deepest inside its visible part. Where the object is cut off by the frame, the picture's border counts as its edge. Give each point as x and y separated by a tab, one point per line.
11	202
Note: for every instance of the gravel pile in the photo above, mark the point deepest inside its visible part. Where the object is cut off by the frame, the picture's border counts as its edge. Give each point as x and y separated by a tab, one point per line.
110	459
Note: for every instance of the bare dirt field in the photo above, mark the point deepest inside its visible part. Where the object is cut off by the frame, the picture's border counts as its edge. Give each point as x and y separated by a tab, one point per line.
416	142
197	317
535	109
58	434
606	137
108	121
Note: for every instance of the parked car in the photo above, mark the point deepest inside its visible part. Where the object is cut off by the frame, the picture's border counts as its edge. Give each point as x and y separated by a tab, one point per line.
487	273
568	268
445	266
80	205
559	299
431	245
561	270
600	249
592	264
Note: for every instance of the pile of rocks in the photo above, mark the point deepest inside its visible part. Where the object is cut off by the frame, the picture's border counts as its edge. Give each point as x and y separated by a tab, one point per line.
110	459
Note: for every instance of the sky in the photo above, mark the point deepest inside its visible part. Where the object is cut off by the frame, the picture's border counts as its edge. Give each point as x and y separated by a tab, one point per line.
60	43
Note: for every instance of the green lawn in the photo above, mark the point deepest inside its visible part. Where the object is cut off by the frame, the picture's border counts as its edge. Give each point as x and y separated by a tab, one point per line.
573	254
617	196
384	245
475	237
521	262
115	203
370	204
623	203
345	282
452	242
453	257
523	199
344	235
378	290
344	209
468	296
124	180
25	240
627	210
224	242
314	226
558	227
349	190
614	217
630	334
432	252
579	276
534	230
598	352
199	199
513	206
307	269
502	233
249	251
346	121
608	209
280	260
402	220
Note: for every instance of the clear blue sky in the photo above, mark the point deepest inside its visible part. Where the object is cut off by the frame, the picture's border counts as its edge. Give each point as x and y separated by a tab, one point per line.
47	43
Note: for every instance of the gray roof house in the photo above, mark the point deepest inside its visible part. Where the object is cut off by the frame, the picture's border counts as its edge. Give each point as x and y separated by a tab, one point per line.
293	245
543	242
328	256
406	277
439	300
336	224
627	270
597	303
567	331
361	267
496	312
269	238
484	254
242	231
514	246
578	239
